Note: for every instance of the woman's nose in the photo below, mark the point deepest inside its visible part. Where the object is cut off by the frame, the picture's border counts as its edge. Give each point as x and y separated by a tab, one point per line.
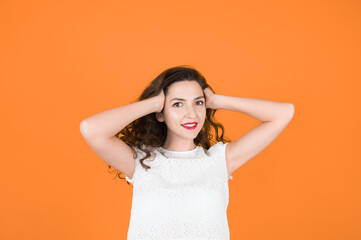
191	111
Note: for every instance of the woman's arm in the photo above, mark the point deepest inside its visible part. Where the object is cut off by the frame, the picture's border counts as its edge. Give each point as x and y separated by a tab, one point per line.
263	110
108	123
99	132
275	116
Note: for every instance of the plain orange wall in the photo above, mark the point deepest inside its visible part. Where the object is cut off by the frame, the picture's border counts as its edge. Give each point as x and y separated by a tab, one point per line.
63	61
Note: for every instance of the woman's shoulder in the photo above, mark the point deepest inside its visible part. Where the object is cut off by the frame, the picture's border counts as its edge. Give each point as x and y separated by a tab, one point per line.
143	149
217	146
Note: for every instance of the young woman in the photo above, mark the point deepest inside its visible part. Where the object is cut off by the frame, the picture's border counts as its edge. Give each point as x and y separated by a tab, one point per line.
179	172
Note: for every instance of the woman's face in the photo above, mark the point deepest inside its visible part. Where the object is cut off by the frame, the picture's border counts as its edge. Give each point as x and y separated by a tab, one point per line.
184	103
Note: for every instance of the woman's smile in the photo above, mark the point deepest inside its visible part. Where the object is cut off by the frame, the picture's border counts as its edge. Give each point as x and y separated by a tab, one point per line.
190	126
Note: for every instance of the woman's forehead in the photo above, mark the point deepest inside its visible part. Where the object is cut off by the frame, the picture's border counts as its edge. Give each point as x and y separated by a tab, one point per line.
184	89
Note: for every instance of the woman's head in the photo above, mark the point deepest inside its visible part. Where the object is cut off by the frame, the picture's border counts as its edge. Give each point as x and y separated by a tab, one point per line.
184	104
156	129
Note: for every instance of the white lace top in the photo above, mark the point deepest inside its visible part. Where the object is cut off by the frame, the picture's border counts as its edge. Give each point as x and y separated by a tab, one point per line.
183	196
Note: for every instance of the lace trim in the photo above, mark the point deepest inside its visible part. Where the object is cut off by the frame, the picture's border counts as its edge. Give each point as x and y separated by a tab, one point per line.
191	154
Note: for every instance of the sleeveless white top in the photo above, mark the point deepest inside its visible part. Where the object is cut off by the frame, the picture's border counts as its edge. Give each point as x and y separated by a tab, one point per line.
183	196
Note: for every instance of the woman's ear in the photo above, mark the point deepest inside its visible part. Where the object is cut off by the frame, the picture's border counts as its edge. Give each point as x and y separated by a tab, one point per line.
159	116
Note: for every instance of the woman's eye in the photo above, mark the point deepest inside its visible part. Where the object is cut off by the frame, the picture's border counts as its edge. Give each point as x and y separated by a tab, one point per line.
180	103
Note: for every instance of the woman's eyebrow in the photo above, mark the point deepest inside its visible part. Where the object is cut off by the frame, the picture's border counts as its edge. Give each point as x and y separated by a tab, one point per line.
181	99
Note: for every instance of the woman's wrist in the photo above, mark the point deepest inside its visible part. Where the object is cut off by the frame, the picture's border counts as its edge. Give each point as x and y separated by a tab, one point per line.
216	101
155	104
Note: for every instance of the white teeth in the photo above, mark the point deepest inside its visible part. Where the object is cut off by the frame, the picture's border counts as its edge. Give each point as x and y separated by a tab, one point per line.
190	125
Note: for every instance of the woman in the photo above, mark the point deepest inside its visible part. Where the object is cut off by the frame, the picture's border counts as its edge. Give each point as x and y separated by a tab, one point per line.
180	179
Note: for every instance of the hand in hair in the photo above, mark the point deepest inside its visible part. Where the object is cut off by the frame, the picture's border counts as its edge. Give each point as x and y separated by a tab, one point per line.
210	99
161	99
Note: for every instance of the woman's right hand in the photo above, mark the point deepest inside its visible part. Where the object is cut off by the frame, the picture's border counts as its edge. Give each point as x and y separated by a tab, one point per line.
160	101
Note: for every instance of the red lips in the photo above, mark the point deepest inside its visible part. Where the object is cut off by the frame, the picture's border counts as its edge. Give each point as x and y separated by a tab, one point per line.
189	123
190	128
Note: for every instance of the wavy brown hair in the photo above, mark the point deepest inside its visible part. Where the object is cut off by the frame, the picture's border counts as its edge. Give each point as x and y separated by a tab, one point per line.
147	133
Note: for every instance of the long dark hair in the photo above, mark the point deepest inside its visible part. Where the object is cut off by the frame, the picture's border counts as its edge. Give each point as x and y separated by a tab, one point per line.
147	133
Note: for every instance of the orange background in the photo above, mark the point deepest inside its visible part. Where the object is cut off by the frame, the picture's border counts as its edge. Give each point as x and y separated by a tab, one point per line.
63	61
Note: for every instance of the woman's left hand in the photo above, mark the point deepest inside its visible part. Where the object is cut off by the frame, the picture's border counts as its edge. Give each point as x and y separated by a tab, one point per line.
210	98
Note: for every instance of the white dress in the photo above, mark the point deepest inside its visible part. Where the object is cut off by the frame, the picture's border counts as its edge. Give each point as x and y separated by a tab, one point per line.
183	196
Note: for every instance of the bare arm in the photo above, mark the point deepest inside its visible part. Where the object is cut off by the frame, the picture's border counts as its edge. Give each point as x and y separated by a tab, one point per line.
275	116
260	109
106	124
99	132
